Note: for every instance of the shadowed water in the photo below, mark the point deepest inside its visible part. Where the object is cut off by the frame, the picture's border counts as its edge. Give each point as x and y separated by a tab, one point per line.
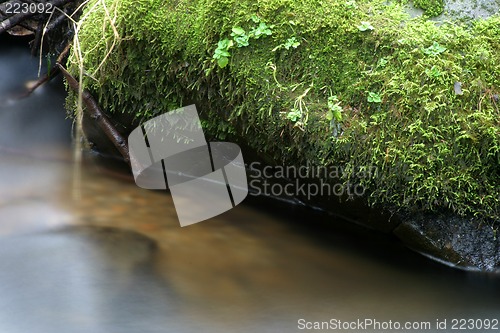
102	255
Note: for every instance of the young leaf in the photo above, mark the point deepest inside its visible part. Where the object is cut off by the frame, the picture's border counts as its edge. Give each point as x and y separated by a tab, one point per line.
364	26
222	62
242	40
237	31
374	97
261	30
329	115
255	18
434	50
292	42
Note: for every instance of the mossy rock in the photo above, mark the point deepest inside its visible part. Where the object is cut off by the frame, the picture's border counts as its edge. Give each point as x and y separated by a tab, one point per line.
357	84
430	7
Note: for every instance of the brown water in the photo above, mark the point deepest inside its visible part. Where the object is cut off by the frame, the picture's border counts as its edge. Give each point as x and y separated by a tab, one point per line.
102	255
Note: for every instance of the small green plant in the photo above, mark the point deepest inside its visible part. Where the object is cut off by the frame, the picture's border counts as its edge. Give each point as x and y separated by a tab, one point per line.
351	4
434	50
221	53
374	97
334	109
300	113
382	62
240	36
364	26
294	115
433	72
290	43
334	115
261	30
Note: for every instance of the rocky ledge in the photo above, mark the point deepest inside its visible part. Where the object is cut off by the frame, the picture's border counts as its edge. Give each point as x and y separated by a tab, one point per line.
358	85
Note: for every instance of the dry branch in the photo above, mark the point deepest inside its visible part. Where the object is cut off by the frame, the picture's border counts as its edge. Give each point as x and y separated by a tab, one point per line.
98	115
53	72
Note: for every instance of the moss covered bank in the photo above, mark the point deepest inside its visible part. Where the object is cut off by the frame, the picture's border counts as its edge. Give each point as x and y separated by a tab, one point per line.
356	84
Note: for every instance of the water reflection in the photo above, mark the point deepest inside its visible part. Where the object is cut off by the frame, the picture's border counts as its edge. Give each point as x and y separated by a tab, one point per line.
117	260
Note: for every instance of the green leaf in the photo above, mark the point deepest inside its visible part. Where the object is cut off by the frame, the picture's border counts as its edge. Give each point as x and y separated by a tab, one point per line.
261	30
221	53
294	115
255	18
242	41
329	115
434	50
364	26
291	42
237	31
240	36
222	50
374	97
222	62
382	62
337	115
334	109
224	44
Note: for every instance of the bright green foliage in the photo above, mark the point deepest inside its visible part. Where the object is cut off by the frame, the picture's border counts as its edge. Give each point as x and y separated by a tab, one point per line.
221	53
294	115
431	7
241	38
364	26
434	149
374	97
334	109
334	115
434	50
261	30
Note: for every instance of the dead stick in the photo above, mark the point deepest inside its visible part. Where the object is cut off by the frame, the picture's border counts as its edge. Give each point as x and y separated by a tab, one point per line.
58	20
38	37
97	114
53	72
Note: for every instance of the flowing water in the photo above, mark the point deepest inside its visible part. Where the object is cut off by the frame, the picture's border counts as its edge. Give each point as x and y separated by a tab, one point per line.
102	255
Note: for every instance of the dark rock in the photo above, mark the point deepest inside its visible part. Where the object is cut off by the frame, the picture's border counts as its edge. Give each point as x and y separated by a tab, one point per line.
457	241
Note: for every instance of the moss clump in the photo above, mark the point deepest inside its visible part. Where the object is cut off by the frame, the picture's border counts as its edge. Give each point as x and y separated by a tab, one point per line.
365	87
431	7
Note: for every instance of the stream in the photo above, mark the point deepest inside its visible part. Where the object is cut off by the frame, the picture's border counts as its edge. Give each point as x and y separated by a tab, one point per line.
88	251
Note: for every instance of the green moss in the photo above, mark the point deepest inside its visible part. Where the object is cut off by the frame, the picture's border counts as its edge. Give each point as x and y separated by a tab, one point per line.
431	7
433	148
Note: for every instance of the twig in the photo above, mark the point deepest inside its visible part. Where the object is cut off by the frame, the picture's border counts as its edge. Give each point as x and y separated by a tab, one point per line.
49	26
97	114
38	37
58	20
53	72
